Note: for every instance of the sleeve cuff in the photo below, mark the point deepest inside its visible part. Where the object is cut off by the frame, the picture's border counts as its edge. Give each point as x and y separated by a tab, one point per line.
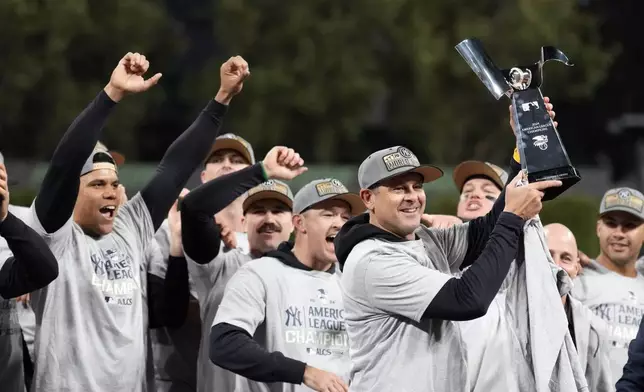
510	221
105	100
292	370
215	109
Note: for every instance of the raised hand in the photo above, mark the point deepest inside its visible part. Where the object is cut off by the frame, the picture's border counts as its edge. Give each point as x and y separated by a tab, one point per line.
228	237
127	77
549	108
4	192
174	223
232	73
525	200
283	163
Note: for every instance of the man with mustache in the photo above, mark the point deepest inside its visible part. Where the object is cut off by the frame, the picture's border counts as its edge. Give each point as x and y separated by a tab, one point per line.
610	285
586	329
91	323
26	264
281	322
267	220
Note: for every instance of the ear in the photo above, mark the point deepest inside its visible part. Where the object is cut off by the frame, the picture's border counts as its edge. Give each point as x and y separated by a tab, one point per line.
298	223
599	223
368	198
244	224
203	176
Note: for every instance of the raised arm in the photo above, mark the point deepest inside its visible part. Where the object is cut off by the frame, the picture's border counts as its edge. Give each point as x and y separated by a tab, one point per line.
190	149
59	189
168	292
32	265
470	295
200	233
479	229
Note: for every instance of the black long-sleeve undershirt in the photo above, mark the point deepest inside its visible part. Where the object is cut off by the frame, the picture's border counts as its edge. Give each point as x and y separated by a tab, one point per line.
493	242
32	266
59	189
233	349
200	234
169	297
181	159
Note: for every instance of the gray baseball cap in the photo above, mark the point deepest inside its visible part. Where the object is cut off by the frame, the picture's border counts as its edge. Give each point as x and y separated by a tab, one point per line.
623	199
391	162
119	158
271	189
230	141
326	189
465	170
99	159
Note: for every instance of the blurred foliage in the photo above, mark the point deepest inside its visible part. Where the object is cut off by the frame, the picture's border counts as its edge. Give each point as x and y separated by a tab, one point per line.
335	79
57	55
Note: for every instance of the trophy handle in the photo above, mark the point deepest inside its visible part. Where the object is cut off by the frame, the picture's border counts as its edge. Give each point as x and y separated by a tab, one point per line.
475	56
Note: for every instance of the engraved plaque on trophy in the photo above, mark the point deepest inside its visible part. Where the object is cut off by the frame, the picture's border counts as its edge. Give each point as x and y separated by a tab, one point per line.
542	153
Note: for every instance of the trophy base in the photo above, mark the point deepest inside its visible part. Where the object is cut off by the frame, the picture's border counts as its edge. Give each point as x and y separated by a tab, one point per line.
567	175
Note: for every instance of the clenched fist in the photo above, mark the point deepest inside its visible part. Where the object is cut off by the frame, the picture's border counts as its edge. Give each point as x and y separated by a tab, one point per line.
525	201
283	163
127	77
232	73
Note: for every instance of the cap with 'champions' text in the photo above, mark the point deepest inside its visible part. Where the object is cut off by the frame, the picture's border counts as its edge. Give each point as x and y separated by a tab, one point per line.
391	162
326	189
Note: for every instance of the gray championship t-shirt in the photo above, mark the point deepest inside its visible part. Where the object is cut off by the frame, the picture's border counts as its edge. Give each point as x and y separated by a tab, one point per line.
619	301
294	311
210	281
91	335
386	287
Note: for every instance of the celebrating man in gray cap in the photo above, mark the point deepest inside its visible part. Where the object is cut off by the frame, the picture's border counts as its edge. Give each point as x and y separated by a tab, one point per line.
400	286
290	302
479	184
91	320
611	285
267	218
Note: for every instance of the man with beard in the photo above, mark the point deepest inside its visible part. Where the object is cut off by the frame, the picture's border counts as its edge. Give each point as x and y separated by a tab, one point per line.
480	185
281	321
586	329
91	328
267	219
610	285
26	264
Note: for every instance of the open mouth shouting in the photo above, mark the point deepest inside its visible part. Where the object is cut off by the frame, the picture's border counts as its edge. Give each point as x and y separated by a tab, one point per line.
108	212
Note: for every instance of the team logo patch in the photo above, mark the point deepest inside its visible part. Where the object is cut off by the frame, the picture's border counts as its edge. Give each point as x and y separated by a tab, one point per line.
624	198
331	187
401	158
269	185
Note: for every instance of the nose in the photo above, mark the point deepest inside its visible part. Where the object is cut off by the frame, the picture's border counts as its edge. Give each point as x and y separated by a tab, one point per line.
110	194
269	217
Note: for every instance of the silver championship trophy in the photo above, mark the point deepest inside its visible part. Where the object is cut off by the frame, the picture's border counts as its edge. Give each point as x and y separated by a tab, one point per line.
542	153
